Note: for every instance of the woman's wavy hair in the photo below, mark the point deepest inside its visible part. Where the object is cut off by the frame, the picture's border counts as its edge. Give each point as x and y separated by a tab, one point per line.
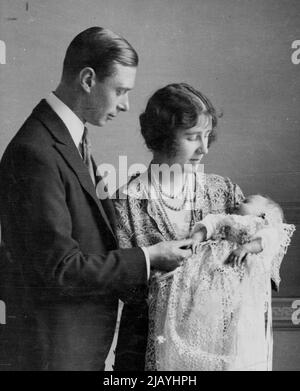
175	106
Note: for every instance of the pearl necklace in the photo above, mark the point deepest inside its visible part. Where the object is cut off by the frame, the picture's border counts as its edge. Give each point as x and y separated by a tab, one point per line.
160	194
183	195
162	205
172	196
174	208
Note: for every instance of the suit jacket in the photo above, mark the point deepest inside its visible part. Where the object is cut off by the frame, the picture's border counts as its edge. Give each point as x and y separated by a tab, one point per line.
61	240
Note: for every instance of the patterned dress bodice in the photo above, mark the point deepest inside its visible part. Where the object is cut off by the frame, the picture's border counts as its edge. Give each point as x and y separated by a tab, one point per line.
141	221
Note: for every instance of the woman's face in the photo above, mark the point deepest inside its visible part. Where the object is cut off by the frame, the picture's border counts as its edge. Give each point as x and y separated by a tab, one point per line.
192	144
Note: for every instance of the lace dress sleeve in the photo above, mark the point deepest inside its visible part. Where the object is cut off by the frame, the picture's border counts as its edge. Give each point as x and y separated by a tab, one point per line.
132	334
221	195
235	195
124	226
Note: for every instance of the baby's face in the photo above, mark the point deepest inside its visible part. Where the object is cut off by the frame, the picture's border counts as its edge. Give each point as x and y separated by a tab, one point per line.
252	205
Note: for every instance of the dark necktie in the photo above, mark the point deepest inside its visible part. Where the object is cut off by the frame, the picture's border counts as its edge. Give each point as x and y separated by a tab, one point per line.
85	150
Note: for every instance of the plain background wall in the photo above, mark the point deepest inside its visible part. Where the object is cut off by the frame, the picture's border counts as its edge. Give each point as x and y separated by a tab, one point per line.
238	52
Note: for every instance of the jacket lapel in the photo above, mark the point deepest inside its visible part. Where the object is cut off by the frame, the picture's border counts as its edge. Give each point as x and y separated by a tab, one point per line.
77	165
67	149
106	203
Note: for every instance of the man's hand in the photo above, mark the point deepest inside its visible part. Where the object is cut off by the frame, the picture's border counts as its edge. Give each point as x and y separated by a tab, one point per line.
237	256
167	256
197	238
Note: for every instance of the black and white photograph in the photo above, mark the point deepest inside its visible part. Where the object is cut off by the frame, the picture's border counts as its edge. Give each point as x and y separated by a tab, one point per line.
150	187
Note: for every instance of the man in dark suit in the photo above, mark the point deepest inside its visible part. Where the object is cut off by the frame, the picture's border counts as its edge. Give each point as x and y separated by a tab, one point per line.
57	232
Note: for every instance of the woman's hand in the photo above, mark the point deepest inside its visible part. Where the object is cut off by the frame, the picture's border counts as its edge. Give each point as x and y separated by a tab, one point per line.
237	256
197	238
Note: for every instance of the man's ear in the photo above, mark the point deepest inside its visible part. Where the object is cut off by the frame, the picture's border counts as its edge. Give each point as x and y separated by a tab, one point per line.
87	79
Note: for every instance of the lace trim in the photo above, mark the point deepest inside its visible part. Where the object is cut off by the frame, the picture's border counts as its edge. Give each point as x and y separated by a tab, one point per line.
286	234
196	312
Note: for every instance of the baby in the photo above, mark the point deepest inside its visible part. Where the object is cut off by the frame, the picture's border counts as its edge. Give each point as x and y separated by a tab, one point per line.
265	212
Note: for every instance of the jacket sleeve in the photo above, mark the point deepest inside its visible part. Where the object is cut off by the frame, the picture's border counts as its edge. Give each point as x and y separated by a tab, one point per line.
132	338
36	196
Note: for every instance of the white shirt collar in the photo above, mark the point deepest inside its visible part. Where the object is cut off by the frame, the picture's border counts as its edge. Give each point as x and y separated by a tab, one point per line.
74	125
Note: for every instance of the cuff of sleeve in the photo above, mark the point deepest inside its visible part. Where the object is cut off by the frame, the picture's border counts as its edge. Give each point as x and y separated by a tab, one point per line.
200	225
147	257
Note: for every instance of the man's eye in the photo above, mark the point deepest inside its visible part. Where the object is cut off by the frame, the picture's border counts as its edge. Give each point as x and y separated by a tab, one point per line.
119	91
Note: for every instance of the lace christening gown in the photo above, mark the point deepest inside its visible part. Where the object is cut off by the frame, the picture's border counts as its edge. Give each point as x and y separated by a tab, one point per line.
211	316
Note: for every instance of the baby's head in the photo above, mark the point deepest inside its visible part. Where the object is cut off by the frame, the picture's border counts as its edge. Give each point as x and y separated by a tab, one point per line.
257	205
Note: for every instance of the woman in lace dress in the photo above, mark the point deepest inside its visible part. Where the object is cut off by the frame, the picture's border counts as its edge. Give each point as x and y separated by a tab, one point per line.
166	203
178	125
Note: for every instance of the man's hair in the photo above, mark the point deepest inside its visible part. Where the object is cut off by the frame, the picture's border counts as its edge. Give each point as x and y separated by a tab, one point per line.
175	106
100	49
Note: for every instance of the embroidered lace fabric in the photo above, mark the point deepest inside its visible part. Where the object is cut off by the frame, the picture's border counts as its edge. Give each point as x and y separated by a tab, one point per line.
141	222
210	316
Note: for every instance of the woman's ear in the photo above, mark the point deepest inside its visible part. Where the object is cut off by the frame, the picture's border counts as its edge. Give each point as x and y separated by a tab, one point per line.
87	79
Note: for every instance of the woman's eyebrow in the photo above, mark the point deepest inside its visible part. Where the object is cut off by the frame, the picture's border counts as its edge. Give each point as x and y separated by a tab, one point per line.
189	131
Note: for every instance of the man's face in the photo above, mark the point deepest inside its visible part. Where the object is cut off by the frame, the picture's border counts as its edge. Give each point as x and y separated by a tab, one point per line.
110	96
